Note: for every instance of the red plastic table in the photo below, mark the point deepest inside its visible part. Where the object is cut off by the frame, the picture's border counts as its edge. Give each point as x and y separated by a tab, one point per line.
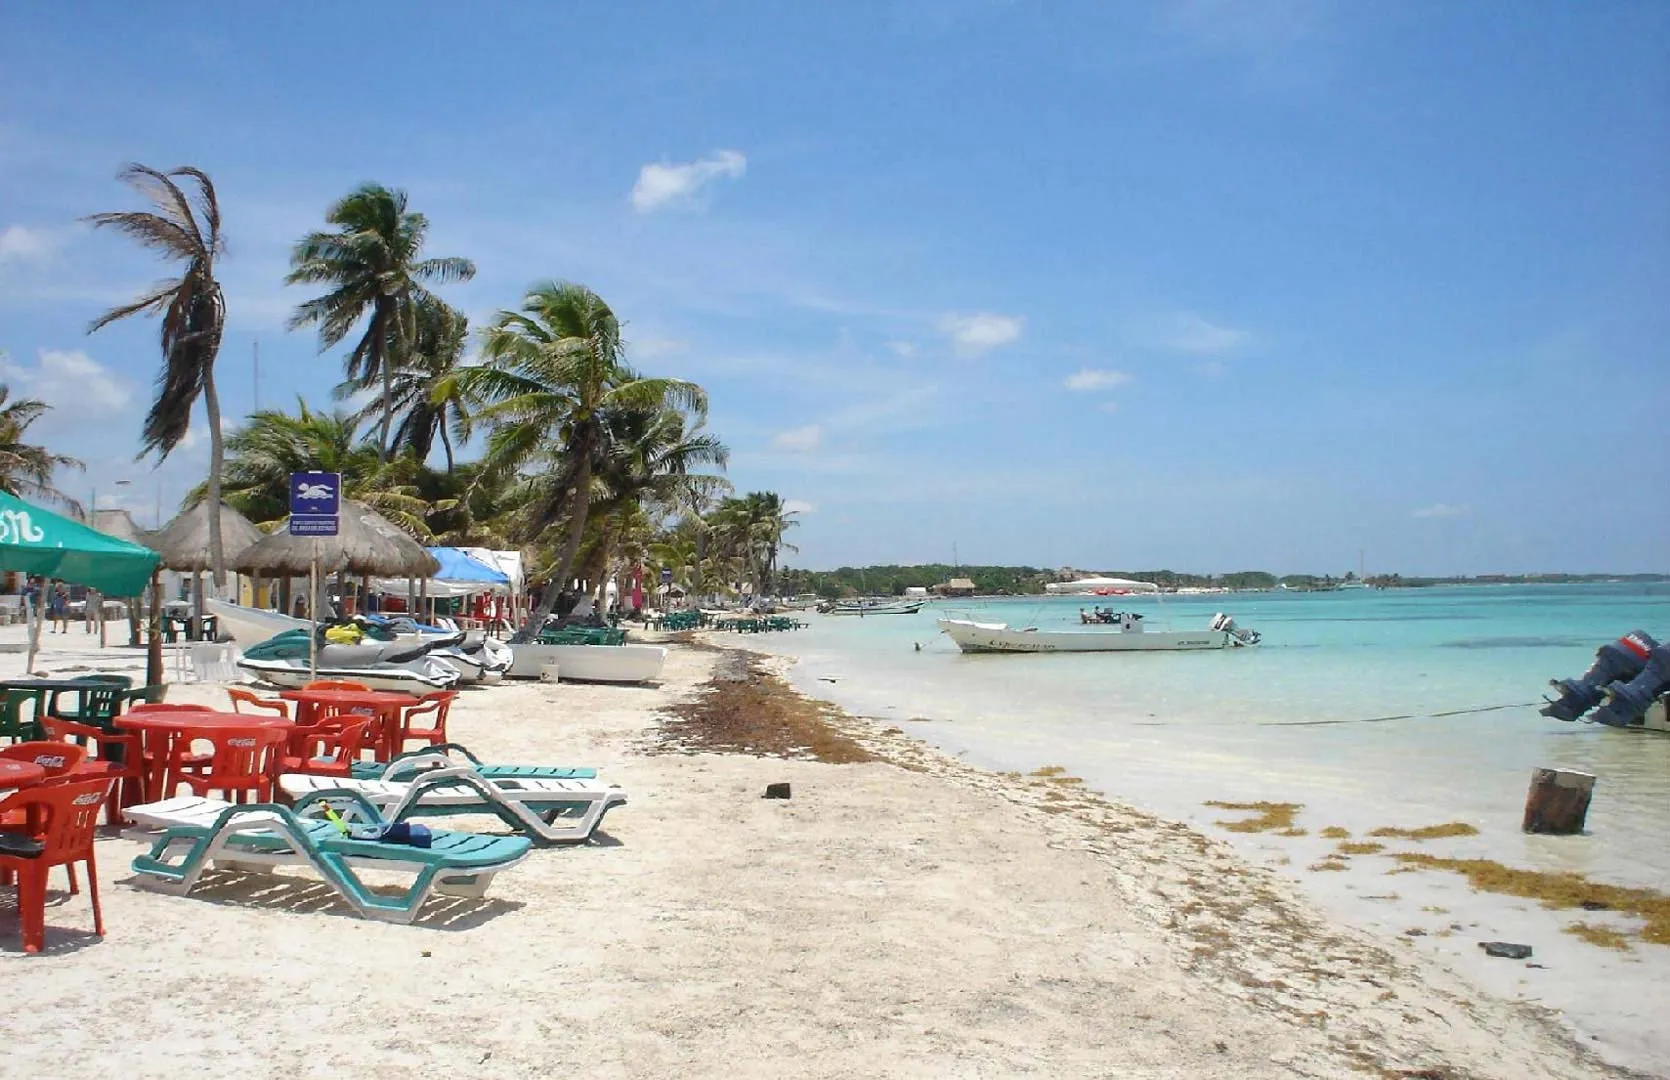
385	704
159	732
19	774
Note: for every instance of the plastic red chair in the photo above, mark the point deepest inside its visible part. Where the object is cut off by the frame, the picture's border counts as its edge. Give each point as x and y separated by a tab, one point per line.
120	751
65	815
328	748
57	758
243	764
436	704
255	701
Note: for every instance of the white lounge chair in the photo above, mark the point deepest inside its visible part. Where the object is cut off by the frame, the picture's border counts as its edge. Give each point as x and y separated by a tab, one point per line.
258	836
545	810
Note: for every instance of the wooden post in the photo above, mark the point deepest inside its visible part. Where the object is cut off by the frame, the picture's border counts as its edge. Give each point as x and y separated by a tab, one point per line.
1557	802
153	644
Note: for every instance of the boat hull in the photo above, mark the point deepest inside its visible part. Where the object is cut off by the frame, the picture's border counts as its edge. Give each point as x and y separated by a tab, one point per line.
589	663
250	626
907	608
1000	637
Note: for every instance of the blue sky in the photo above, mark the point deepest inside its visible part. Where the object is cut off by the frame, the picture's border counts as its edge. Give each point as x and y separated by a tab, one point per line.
1196	284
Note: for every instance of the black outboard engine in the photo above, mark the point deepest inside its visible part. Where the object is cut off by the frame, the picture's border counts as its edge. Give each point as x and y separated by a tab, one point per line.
1627	701
1620	661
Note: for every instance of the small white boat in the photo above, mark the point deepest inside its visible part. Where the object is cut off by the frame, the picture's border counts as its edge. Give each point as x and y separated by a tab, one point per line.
250	626
873	607
589	663
1126	635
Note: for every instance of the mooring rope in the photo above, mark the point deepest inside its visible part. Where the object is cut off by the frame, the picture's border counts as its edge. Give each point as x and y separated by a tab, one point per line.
1399	716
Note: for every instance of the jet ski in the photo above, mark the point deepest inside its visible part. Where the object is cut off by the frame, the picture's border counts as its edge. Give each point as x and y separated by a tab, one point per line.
477	657
395	665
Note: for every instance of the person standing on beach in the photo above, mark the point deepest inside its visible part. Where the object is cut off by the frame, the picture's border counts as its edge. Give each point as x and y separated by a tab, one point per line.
58	607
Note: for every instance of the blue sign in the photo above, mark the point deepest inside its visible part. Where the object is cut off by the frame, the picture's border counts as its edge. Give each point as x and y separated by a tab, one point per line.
313	524
666	576
316	494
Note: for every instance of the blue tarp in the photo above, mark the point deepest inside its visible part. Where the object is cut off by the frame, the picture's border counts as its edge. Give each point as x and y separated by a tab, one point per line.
457	566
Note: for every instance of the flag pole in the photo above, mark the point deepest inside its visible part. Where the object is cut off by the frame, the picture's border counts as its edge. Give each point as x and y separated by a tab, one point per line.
313	611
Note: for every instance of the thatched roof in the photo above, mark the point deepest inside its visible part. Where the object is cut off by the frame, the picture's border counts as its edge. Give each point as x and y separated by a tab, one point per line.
120	524
184	542
365	543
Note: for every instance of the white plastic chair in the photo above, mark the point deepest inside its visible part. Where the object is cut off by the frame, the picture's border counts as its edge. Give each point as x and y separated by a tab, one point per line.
207	662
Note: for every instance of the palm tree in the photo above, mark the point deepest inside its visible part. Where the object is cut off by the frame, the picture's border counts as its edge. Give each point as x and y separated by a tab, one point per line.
25	469
273	444
193	315
751	530
424	384
372	266
554	372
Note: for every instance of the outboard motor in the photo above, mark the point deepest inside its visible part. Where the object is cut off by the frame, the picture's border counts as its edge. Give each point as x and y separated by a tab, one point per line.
1618	661
1225	623
1627	701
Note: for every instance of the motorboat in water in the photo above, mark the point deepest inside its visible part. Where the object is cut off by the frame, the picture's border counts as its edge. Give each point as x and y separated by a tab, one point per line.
392	665
871	607
1628	686
1125	633
588	663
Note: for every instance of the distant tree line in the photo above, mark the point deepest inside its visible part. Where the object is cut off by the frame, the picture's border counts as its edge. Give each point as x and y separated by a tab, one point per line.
1027	580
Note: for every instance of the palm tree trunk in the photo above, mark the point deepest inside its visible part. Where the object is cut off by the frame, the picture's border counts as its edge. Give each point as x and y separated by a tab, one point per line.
446	444
565	561
217	461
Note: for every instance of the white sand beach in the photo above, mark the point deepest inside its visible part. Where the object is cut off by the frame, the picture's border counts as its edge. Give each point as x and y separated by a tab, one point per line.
910	916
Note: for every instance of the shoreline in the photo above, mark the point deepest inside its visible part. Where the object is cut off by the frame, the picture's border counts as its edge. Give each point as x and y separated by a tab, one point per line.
1625	1046
906	916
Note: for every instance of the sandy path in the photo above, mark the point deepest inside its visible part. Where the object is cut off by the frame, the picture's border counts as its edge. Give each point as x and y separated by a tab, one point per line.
924	920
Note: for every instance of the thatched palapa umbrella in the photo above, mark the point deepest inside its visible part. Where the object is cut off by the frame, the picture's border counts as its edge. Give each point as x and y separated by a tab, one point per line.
366	542
120	524
184	546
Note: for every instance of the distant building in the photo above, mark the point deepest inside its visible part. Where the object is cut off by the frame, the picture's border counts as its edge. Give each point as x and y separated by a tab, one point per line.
957	586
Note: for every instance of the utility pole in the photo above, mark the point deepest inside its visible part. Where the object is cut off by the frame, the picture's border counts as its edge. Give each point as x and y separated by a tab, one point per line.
257	376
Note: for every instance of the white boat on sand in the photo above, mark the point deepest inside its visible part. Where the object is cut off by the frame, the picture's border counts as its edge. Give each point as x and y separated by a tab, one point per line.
589	663
1125	635
872	607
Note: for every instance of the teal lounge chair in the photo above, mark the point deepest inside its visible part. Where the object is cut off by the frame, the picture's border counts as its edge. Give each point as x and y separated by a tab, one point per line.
545	811
258	836
440	757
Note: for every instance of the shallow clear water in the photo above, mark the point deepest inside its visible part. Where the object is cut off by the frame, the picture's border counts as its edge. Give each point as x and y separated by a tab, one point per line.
1337	709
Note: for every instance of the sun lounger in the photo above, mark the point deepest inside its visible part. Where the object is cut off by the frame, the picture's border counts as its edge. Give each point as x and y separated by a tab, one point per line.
546	811
440	756
258	836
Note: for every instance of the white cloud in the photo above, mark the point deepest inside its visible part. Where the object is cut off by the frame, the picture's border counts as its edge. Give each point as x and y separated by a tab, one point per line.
19	244
1186	332
661	184
976	333
798	440
1442	510
904	350
1093	379
71	382
799	506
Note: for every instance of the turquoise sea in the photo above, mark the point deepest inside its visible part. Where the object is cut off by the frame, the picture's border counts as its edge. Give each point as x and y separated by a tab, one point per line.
1398	707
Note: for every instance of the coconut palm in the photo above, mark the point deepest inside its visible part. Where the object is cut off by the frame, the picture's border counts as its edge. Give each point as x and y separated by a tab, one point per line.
26	470
193	314
424	384
554	371
372	267
273	444
750	529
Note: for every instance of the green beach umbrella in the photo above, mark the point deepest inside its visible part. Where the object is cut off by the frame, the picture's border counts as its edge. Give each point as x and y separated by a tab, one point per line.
40	542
